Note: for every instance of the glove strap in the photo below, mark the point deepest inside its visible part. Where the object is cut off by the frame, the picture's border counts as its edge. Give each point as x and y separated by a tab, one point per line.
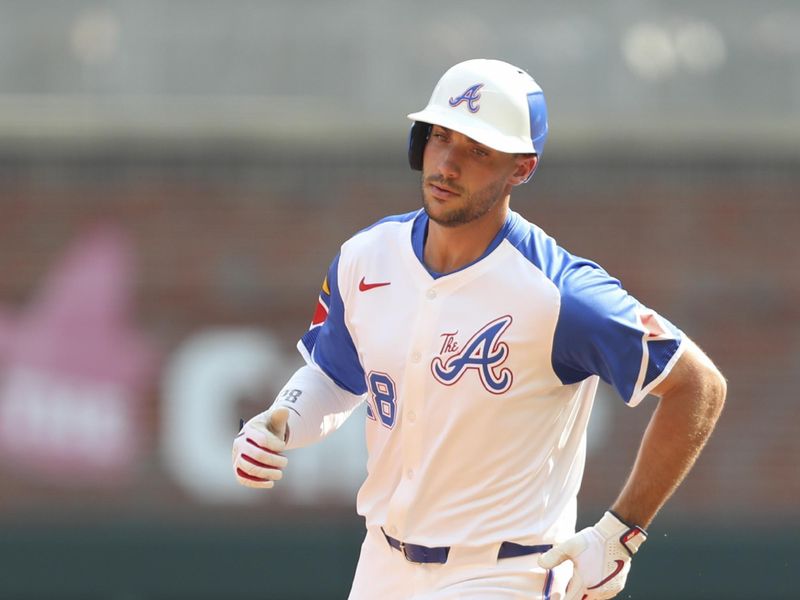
632	536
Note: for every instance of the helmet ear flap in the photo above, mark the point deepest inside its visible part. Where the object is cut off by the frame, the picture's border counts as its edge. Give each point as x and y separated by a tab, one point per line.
417	138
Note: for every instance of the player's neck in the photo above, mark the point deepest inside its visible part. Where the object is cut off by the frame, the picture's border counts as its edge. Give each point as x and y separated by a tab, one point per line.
448	249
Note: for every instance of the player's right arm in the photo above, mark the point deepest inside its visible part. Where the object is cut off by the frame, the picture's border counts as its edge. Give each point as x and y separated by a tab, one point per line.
309	407
315	401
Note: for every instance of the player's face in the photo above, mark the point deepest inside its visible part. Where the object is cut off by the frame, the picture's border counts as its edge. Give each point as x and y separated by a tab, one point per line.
463	180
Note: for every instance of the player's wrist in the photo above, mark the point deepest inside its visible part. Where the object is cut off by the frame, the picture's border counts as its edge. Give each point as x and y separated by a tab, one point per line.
624	520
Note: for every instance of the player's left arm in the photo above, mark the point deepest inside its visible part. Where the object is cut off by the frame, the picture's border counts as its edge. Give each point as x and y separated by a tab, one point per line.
691	398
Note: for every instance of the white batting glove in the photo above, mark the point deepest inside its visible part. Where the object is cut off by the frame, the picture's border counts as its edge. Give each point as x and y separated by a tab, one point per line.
257	461
602	557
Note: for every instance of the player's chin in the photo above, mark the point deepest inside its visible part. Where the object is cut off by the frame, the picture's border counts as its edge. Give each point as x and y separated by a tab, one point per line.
447	217
438	211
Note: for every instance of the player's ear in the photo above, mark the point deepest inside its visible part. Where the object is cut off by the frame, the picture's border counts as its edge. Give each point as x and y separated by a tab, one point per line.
526	163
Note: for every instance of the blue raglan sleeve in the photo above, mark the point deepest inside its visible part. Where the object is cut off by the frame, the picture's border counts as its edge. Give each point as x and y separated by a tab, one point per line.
327	344
602	330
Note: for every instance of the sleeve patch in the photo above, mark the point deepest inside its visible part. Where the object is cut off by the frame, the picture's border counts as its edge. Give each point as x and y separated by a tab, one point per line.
327	342
320	313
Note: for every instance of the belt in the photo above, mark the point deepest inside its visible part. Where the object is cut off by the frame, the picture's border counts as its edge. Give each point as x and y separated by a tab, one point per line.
423	554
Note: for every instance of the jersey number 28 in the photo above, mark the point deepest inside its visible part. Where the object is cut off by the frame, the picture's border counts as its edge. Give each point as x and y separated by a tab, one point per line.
382	398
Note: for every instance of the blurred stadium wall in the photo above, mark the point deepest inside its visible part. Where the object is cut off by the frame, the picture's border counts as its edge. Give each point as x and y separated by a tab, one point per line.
175	177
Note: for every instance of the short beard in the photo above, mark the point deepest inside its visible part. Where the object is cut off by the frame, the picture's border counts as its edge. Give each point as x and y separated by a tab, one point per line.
477	205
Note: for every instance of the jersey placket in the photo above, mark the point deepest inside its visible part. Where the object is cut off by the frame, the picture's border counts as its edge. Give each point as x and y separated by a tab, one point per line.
429	306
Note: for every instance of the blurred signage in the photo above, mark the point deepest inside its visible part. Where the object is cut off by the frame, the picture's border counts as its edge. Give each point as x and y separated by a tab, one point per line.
72	370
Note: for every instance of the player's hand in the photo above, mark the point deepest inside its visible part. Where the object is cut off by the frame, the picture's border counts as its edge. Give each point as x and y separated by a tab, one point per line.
602	557
257	461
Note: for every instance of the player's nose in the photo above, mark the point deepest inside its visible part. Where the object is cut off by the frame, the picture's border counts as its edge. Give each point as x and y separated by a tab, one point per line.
447	164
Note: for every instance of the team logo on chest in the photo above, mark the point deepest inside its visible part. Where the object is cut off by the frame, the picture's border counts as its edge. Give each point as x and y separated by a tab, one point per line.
483	353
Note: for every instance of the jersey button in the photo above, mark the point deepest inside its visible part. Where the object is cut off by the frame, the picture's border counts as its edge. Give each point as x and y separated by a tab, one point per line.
431	294
392	530
415	357
412	416
410	474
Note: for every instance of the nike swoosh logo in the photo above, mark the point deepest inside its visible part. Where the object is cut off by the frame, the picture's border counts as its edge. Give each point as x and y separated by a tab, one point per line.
363	286
620	565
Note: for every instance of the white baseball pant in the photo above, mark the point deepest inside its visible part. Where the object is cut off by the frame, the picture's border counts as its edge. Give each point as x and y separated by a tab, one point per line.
469	574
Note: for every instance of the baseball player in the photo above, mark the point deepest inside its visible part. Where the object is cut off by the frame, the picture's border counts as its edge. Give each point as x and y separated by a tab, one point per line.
477	344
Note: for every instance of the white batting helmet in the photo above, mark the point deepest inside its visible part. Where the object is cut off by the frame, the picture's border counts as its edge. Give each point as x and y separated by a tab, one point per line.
490	101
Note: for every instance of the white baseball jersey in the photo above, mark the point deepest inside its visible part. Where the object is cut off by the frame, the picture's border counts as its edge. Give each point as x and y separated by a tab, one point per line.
479	383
